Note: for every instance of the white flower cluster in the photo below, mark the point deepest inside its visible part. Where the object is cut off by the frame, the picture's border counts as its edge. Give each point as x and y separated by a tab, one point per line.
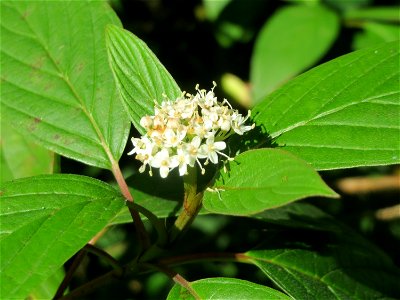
185	130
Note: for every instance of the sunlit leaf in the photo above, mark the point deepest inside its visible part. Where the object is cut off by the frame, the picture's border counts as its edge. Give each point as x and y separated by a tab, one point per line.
44	221
140	76
20	157
47	289
344	113
263	179
57	86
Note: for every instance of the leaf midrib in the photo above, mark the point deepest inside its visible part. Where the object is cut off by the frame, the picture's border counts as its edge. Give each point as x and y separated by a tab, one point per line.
75	94
280	132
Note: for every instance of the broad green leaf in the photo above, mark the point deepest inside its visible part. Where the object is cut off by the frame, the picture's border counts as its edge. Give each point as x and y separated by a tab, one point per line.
225	288
140	76
342	114
44	221
326	265
47	289
263	179
56	84
293	39
375	33
20	157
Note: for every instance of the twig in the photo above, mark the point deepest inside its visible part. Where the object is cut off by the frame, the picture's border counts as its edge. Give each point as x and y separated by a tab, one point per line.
143	237
77	261
75	264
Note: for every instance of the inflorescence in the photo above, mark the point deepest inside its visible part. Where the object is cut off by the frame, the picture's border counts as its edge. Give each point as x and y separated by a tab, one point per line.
185	130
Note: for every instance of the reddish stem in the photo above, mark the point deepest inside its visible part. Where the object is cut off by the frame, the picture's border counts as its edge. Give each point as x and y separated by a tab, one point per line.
140	229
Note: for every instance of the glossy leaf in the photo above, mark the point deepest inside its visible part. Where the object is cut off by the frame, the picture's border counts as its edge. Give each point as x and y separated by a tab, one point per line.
57	86
140	76
20	157
263	179
225	288
333	264
47	289
44	221
295	38
342	114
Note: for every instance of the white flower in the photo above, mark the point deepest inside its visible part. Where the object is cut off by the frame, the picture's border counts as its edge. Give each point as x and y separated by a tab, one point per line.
172	138
146	122
238	121
185	130
210	149
142	145
184	160
163	161
192	149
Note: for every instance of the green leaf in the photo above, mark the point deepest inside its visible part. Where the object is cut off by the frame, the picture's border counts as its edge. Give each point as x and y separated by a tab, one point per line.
57	86
20	157
225	288
342	114
375	33
263	179
293	39
383	13
44	221
47	289
334	264
140	76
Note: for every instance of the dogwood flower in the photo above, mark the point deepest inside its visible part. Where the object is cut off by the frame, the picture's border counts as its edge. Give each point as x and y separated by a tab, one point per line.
184	131
211	149
163	161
